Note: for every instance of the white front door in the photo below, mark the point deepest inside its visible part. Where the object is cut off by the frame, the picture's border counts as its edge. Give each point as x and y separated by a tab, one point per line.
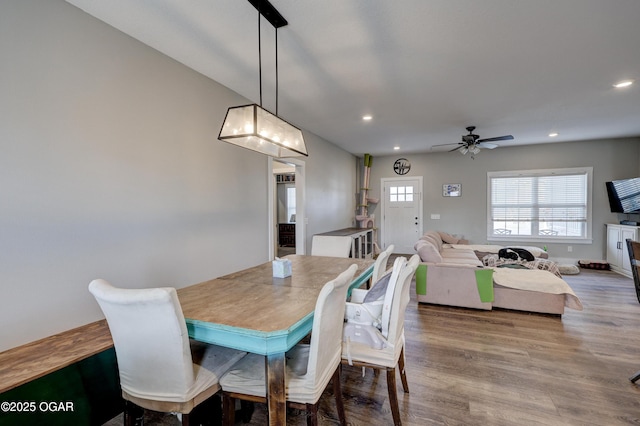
402	213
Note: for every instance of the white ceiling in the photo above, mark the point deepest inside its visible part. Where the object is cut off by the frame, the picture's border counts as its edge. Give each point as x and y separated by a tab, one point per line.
425	69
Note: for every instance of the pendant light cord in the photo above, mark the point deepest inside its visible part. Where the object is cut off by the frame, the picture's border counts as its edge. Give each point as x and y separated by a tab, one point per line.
260	61
260	57
276	71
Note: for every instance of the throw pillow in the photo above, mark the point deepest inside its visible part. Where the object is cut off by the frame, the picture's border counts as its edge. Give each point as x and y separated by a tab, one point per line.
448	238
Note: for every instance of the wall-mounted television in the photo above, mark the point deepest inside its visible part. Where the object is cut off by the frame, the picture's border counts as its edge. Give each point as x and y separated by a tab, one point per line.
624	195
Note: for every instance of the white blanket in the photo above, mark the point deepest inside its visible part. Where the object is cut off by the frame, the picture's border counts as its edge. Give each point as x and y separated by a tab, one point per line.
536	280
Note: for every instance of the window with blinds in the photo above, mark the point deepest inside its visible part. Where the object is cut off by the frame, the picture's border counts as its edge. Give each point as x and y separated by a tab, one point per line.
540	204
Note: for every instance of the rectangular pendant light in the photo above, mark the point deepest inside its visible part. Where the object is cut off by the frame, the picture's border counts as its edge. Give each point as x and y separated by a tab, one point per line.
255	128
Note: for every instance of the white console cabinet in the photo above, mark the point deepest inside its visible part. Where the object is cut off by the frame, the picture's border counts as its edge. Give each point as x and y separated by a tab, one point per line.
617	253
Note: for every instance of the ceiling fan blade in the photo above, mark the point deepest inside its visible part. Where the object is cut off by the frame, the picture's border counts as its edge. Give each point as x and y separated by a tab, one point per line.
447	144
499	138
487	145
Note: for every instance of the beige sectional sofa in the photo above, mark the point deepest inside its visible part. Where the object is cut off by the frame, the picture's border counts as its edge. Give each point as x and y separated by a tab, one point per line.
451	274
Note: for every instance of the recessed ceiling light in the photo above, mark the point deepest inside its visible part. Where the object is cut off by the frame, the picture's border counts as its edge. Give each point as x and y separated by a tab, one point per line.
624	83
396	148
553	134
367	117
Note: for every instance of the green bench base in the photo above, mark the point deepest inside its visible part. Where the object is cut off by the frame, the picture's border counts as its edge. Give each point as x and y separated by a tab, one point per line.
85	393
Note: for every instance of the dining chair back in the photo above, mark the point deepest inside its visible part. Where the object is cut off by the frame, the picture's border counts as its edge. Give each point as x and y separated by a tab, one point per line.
380	266
325	348
633	247
330	245
390	354
400	301
309	367
154	354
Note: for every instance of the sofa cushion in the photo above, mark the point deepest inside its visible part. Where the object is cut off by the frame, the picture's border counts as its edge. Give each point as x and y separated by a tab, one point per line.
428	252
460	261
451	252
434	238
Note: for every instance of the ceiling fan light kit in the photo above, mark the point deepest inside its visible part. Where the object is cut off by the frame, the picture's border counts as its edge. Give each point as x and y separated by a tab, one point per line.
255	128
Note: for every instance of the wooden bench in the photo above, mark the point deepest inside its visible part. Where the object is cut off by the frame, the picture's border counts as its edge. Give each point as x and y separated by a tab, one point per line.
76	366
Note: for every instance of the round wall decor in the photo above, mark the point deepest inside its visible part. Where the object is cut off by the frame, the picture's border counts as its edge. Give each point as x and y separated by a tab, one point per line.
402	166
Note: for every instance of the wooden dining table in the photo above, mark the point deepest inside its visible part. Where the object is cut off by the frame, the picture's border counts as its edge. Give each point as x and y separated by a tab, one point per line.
253	311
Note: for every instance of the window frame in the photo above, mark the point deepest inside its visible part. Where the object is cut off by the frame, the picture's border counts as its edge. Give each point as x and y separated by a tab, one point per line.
291	201
585	239
402	194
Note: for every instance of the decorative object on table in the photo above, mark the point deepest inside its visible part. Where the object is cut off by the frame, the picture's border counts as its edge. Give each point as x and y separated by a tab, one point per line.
452	190
255	128
281	268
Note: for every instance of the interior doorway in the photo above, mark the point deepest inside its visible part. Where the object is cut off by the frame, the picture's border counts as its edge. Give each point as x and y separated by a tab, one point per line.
286	201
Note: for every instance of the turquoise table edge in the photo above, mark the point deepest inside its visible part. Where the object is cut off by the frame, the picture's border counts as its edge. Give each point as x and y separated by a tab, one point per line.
258	342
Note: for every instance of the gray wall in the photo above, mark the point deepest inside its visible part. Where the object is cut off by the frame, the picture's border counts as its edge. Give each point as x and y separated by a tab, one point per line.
110	167
467	215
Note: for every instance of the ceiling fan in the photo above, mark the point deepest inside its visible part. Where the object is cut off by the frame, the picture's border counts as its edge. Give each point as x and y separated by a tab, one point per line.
472	143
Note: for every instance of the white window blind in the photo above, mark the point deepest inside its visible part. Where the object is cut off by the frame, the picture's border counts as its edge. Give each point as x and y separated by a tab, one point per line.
542	204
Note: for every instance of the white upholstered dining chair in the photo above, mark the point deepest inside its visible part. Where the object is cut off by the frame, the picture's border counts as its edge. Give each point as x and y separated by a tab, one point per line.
380	266
330	245
160	368
385	349
309	367
633	247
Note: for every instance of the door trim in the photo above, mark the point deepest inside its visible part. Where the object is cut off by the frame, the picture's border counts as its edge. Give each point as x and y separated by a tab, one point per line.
301	216
383	205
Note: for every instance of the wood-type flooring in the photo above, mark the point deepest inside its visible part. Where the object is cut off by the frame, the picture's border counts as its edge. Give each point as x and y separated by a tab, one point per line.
469	367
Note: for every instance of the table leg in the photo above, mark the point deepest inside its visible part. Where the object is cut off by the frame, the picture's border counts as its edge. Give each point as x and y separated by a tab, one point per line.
276	395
